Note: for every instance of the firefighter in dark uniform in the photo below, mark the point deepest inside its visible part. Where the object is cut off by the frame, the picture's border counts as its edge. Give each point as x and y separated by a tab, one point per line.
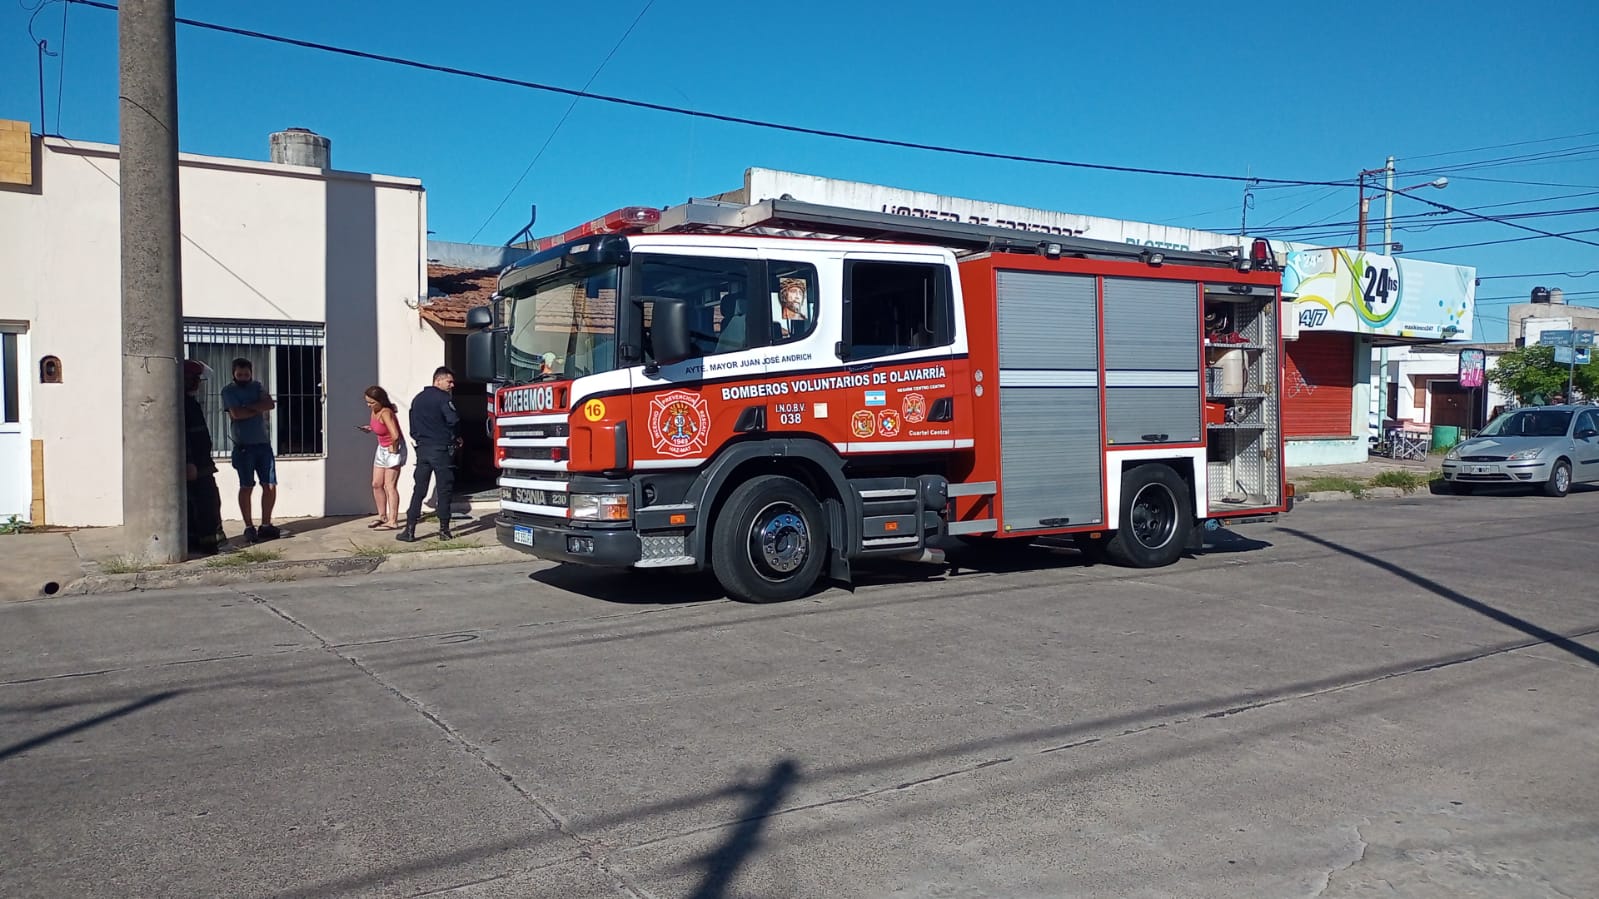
203	500
433	428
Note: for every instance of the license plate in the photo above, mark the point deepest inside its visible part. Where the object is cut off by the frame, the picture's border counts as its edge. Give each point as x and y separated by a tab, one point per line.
523	535
1480	469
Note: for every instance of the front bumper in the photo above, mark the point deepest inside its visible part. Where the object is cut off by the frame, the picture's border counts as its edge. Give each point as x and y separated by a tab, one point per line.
562	542
1529	471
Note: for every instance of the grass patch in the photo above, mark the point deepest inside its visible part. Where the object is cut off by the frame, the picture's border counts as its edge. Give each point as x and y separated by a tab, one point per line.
124	565
431	546
422	545
1408	481
14	525
1333	484
244	557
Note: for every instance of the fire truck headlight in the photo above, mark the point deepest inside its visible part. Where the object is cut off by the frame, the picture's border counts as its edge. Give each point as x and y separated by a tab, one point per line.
601	507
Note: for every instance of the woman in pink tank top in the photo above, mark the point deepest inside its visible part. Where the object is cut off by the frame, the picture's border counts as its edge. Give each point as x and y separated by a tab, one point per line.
385	426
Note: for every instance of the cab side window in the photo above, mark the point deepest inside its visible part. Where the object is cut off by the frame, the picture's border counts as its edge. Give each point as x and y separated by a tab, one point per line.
718	291
897	307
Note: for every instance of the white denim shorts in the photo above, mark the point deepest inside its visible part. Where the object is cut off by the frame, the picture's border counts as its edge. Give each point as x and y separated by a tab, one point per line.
390	458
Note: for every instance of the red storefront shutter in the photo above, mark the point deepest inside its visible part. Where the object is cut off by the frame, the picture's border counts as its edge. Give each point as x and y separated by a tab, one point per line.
1319	385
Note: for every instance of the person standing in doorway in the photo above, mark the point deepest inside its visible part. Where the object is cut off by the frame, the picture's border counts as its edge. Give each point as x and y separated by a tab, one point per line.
248	403
433	428
203	500
390	458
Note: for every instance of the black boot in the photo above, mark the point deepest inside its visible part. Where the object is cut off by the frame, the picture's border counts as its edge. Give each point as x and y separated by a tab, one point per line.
407	534
444	531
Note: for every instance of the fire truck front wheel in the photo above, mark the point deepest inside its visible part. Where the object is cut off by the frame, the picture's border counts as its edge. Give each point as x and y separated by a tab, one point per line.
1156	514
770	540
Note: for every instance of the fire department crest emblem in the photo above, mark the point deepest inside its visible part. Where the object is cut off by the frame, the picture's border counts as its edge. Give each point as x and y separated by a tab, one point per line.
679	423
863	424
915	408
888	423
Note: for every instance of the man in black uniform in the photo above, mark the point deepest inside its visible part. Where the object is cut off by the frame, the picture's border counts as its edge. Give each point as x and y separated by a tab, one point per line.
203	500
433	425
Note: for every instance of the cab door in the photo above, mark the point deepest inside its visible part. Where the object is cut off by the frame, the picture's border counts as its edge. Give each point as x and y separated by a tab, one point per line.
682	412
1585	433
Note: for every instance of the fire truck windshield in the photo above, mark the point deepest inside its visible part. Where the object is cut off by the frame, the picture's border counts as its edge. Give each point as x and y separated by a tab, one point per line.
564	327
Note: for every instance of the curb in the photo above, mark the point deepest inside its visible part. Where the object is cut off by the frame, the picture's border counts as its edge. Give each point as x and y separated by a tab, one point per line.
451	558
282	572
1336	496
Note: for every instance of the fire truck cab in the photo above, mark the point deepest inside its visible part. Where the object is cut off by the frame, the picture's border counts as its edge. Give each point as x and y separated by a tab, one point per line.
780	391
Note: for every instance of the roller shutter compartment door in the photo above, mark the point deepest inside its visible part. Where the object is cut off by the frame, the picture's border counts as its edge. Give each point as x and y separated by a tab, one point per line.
1319	385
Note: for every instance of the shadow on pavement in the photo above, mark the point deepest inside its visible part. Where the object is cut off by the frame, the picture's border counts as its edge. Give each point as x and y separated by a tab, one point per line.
633	586
1565	644
765	799
118	712
1224	542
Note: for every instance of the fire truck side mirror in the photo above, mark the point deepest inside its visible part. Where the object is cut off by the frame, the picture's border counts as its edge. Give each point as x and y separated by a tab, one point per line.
669	329
480	362
479	318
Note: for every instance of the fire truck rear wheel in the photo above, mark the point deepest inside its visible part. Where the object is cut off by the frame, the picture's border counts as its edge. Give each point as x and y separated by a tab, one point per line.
1156	515
770	540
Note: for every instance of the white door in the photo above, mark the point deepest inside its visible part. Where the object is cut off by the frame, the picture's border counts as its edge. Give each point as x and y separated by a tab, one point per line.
16	457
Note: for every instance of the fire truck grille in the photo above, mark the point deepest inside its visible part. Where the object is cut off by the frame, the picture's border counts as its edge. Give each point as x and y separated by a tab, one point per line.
555	429
541	453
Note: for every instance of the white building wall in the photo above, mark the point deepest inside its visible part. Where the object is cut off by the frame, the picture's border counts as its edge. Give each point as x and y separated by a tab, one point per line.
1412	370
261	242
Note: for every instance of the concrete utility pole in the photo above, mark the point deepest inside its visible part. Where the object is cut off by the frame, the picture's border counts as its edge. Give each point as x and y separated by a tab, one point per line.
153	482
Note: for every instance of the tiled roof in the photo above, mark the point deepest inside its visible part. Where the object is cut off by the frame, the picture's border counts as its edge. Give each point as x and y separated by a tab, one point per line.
463	289
466	288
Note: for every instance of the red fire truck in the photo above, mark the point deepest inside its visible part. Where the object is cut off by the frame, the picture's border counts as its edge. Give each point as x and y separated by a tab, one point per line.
783	390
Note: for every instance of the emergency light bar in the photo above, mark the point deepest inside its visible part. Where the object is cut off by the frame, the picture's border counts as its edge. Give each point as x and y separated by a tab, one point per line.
628	218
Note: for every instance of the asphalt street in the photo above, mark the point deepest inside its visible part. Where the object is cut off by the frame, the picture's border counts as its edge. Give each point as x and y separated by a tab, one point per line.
1388	698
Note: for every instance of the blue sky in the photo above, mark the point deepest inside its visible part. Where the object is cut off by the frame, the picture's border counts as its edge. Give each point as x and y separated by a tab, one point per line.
1298	91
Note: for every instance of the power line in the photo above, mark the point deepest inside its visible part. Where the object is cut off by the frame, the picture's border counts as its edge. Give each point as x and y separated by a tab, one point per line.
1425	221
61	70
1317	199
1489	243
719	117
1538	275
1508	161
1519	143
1523	297
1410	224
1528	183
556	130
799	129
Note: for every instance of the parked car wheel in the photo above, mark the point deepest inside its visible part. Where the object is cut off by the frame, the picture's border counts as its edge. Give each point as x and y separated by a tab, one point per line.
1559	483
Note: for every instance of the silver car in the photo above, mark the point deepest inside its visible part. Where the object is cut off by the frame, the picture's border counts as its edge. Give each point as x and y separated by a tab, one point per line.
1551	447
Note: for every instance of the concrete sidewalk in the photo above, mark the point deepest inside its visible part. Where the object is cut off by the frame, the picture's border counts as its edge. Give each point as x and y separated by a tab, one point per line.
94	560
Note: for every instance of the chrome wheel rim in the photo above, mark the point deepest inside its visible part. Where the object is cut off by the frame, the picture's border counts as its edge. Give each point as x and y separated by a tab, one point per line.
779	542
1562	478
1153	516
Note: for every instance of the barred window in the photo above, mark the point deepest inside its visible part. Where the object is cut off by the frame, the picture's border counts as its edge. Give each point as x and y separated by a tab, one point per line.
288	361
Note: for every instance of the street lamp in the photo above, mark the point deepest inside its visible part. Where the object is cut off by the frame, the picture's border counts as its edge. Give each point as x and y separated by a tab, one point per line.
1388	205
1387	248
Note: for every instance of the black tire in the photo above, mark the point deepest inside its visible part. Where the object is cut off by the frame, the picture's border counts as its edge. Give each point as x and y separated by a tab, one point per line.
1462	489
769	541
1156	516
1559	483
